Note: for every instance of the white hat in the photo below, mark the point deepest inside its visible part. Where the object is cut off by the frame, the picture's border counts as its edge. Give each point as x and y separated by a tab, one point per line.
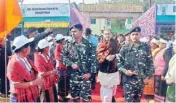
20	41
163	41
43	44
59	37
49	38
155	41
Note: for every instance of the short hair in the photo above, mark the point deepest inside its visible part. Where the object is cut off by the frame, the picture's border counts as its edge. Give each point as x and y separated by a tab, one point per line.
31	30
172	33
121	35
88	31
107	30
40	50
60	41
77	26
18	50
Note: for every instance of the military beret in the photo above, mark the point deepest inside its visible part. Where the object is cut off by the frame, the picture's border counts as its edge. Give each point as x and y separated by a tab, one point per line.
136	29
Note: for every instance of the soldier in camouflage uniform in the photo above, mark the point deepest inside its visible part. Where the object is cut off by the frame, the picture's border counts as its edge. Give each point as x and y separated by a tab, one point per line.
80	55
136	66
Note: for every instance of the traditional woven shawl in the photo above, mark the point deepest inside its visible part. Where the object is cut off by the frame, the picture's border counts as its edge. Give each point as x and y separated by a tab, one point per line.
58	52
103	51
17	72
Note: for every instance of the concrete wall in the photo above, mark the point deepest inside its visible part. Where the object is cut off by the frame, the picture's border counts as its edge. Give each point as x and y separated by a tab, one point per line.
100	25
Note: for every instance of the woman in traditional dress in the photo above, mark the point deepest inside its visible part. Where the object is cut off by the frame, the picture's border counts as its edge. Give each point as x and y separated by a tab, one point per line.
154	46
22	73
64	81
149	88
45	67
171	77
160	63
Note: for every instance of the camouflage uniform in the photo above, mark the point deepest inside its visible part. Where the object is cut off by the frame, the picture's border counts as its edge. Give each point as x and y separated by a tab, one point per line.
135	58
85	57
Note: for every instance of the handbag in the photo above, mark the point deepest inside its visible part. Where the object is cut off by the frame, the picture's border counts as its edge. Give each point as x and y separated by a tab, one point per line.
170	94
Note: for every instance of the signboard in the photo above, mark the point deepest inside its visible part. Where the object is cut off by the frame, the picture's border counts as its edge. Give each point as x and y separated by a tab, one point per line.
166	9
47	24
166	29
45	10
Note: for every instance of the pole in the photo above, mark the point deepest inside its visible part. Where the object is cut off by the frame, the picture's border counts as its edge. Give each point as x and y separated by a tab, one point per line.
150	3
5	52
6	85
70	15
22	27
22	22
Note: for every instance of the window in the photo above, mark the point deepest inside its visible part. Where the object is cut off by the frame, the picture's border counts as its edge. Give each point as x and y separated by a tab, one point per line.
174	8
108	22
93	21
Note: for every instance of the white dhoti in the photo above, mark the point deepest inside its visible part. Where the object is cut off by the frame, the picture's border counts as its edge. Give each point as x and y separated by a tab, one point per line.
109	82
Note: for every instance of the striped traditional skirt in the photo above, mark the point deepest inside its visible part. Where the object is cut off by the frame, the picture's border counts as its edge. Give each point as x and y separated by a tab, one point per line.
160	89
149	88
63	84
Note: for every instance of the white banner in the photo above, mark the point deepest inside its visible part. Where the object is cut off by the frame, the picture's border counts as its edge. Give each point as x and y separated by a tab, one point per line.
45	10
166	9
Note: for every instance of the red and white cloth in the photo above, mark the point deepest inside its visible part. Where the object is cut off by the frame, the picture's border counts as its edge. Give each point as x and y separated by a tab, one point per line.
147	22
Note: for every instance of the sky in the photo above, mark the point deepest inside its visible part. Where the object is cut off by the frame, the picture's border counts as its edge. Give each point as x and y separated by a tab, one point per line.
57	1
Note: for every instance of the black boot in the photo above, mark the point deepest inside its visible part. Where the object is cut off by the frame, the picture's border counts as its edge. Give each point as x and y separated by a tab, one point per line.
66	99
113	99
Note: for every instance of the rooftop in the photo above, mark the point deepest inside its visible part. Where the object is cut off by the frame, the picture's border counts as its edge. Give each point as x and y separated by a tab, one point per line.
111	8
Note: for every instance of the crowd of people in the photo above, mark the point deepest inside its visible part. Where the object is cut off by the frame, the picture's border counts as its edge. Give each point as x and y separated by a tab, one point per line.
43	68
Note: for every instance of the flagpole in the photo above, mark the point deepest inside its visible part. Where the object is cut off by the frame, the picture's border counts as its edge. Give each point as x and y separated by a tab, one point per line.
69	17
22	23
5	64
5	50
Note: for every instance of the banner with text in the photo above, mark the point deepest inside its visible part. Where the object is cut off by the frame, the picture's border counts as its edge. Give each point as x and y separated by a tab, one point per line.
45	10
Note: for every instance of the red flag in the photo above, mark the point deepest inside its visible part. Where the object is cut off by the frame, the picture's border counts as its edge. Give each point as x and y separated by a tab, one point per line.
76	17
10	16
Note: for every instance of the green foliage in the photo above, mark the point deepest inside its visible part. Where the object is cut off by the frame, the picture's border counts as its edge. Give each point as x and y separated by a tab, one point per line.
118	23
118	26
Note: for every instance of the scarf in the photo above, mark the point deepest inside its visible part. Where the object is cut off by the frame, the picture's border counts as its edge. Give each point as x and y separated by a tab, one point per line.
18	72
44	64
103	50
58	52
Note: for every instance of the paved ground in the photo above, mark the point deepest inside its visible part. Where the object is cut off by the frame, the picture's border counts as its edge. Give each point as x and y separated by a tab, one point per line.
4	99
